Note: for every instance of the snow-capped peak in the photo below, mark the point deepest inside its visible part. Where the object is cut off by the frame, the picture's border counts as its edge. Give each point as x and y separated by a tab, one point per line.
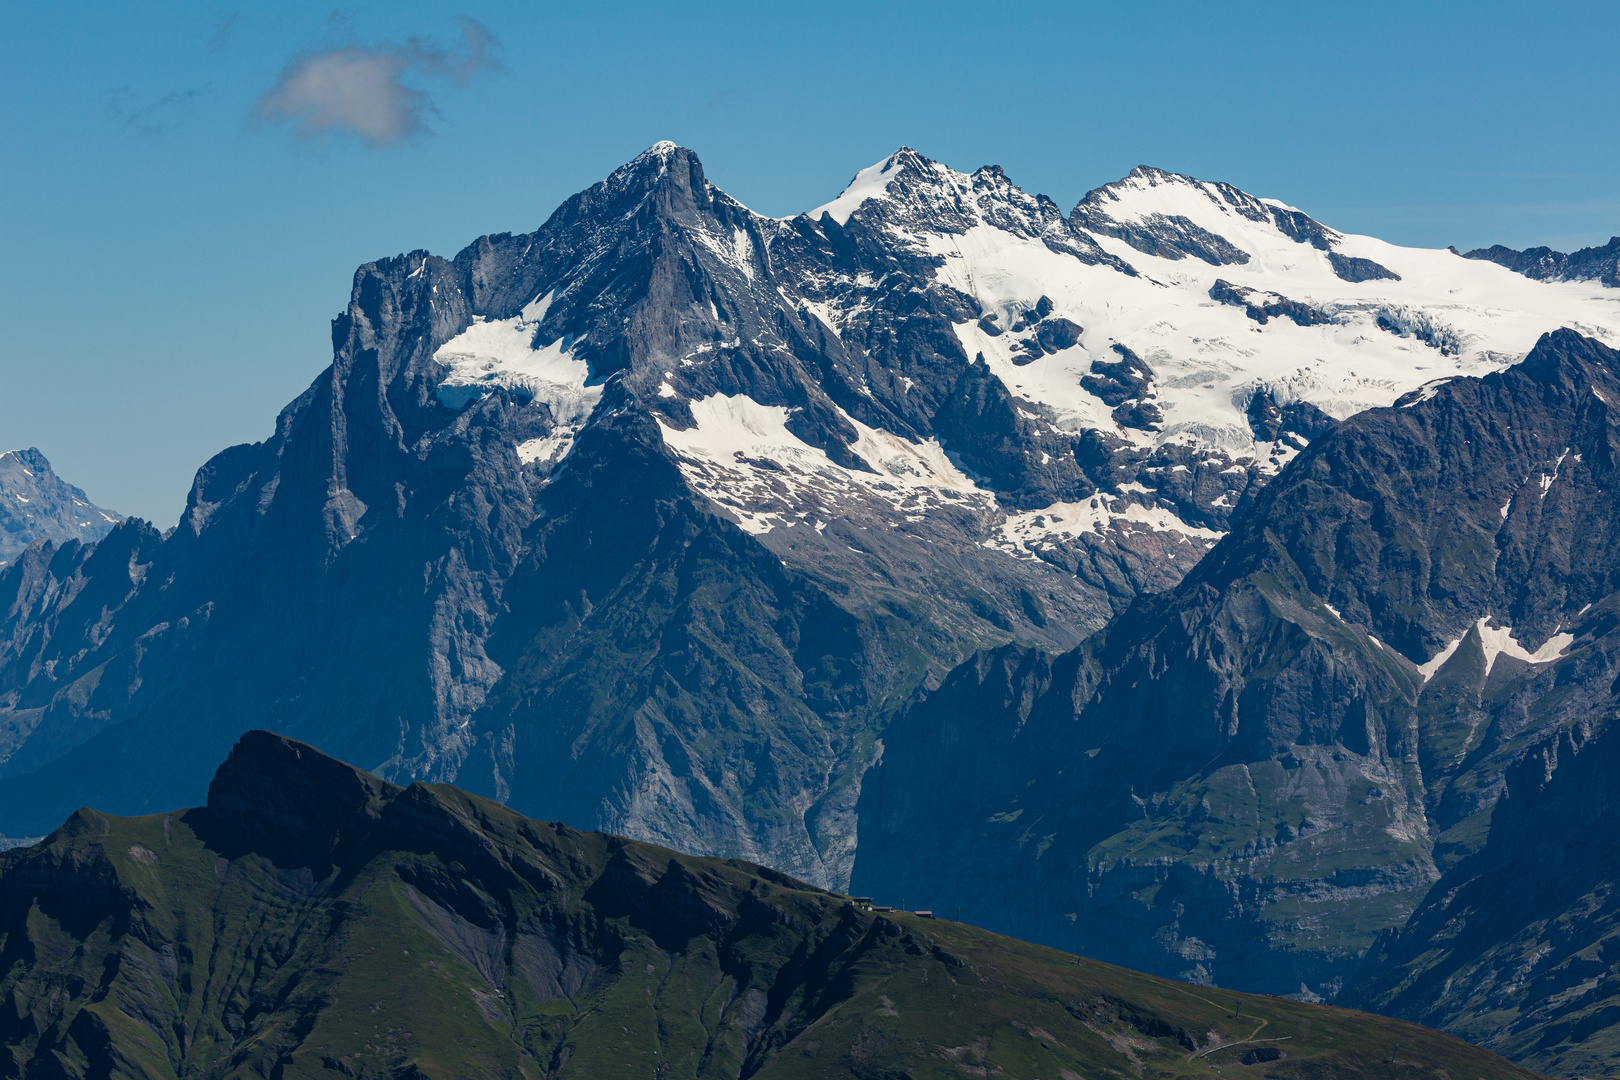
1175	217
908	197
1147	191
871	182
661	152
1163	344
1219	294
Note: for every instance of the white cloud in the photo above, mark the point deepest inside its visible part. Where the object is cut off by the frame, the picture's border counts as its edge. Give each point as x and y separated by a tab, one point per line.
365	91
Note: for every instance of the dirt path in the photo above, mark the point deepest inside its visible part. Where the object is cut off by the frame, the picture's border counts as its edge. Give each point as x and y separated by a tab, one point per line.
1253	1035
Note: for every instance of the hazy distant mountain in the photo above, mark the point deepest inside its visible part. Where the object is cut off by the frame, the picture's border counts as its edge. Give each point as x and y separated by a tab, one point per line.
36	504
651	519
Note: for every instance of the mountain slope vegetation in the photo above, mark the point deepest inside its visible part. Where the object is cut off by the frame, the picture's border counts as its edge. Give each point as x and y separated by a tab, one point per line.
313	920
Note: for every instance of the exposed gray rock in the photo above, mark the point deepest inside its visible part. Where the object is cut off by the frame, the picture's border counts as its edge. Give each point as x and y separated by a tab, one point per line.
1517	947
1600	264
1352	268
1263	306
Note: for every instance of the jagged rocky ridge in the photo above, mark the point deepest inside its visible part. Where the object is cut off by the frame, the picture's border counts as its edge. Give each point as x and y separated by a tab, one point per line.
36	504
651	518
1600	264
1249	779
313	920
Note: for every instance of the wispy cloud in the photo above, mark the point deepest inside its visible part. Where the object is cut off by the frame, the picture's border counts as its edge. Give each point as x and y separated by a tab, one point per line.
154	117
373	92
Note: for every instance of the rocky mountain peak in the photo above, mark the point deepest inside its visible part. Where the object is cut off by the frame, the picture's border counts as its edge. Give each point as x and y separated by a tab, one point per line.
874	182
670	172
287	797
909	197
1567	359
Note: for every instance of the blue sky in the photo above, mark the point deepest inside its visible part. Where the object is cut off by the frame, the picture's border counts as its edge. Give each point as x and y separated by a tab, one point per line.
180	219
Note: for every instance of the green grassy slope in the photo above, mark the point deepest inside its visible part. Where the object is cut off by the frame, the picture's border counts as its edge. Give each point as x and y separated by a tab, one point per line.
315	921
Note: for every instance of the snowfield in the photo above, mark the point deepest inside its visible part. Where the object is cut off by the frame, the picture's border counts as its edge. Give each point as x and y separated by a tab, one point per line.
1223	296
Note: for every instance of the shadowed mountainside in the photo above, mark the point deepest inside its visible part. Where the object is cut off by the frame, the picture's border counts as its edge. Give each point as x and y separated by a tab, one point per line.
1248	779
1517	947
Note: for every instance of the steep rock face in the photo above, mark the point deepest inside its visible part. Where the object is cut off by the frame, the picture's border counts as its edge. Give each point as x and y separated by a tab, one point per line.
1246	780
654	516
312	919
1518	946
36	504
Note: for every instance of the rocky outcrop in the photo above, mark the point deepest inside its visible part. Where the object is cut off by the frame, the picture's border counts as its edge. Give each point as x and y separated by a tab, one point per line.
1262	307
1352	268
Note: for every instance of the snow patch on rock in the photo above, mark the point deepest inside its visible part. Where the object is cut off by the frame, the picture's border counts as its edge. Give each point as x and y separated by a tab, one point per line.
741	455
1025	535
1499	641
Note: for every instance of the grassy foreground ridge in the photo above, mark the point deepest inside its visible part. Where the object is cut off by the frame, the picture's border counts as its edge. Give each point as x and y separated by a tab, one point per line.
314	921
